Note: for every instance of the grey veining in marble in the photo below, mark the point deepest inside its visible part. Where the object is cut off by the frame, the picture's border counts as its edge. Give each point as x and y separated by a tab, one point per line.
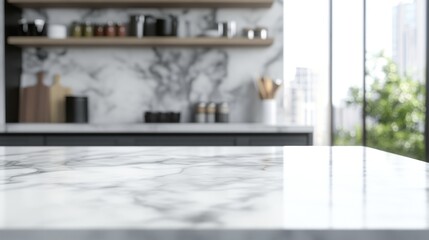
122	83
155	128
205	193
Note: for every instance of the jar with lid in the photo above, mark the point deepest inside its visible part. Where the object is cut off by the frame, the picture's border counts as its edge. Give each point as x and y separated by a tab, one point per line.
121	30
98	30
88	30
222	113
109	30
211	112
76	29
200	112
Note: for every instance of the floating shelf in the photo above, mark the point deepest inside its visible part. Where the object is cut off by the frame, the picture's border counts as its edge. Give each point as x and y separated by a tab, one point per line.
144	3
135	42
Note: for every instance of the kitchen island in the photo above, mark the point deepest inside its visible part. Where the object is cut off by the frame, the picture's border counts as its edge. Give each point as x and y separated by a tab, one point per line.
127	193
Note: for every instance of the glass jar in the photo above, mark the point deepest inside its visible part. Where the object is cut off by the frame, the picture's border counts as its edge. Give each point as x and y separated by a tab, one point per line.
200	112
222	113
121	30
99	30
211	113
88	30
76	29
109	30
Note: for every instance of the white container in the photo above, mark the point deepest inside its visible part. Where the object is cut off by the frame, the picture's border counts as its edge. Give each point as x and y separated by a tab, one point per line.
57	31
269	112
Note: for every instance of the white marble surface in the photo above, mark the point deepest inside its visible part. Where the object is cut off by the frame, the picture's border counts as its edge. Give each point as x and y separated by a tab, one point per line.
216	188
123	83
156	128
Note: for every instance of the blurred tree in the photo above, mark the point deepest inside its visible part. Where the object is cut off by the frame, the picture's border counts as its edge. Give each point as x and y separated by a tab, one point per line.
395	111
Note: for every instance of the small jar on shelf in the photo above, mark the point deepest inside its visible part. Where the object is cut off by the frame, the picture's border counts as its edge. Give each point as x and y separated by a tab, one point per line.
76	29
110	30
99	30
88	30
121	30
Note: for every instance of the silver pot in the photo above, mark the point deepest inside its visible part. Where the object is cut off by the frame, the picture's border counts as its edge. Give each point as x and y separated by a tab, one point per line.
261	33
228	29
248	33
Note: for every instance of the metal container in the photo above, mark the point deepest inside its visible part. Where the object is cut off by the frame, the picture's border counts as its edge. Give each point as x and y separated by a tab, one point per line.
200	112
248	33
149	26
77	109
261	33
211	113
222	113
136	27
229	29
167	26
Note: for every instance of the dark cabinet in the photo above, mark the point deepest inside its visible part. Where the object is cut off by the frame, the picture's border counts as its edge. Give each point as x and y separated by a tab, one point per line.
22	141
298	140
81	141
283	139
185	141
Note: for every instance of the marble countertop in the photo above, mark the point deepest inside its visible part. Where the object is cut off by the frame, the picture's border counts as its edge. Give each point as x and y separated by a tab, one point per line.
156	128
211	193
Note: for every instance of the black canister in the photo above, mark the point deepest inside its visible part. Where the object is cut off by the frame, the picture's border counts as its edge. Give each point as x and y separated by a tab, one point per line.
77	109
150	26
162	27
164	117
167	26
175	117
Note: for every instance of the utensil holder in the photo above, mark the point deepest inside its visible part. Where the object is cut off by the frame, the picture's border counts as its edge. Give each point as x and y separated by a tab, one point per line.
269	111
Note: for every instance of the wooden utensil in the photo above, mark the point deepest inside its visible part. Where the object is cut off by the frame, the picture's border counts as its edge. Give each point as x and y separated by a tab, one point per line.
57	96
268	85
34	104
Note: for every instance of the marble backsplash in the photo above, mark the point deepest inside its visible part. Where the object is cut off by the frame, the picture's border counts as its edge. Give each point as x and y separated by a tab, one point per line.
122	83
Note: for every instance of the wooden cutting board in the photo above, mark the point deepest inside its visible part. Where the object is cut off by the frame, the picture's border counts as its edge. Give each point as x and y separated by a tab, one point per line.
34	102
57	96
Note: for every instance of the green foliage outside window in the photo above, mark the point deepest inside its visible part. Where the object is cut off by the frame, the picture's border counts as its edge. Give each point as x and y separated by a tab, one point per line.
395	111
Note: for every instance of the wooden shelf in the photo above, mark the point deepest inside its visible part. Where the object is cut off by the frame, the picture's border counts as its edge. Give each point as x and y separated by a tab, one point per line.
138	42
144	3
